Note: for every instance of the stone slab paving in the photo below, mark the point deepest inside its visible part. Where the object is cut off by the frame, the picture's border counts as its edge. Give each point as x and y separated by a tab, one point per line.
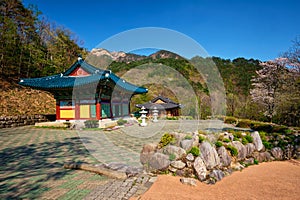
32	160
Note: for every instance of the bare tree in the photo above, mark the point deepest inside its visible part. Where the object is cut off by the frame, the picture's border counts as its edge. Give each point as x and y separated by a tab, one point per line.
293	55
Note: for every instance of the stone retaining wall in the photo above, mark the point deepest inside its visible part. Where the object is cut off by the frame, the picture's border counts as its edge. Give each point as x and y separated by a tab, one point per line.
22	120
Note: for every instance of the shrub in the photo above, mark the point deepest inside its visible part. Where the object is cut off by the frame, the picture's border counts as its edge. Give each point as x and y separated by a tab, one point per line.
166	139
171	118
230	120
195	151
226	140
91	123
280	129
172	157
233	150
282	144
219	144
201	138
255	162
244	123
262	135
188	137
202	132
267	145
244	141
288	131
237	134
121	122
249	138
260	126
68	124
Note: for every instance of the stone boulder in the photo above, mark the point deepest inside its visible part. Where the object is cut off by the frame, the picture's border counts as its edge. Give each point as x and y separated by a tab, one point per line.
147	152
178	137
277	153
250	148
195	139
188	181
236	166
257	141
178	164
186	172
186	144
262	156
217	174
209	155
249	161
288	152
177	151
242	151
200	169
159	161
225	158
190	157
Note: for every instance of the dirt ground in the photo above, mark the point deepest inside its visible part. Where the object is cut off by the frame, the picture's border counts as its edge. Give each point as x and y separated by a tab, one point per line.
272	180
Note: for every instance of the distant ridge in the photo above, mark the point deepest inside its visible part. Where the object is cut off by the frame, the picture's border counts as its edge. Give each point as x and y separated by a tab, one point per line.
109	56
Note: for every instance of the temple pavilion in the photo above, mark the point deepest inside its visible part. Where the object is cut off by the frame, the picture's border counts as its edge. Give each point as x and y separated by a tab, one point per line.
84	92
164	105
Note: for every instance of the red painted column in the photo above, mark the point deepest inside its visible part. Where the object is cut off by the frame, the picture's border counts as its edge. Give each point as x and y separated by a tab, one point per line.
98	110
57	110
77	110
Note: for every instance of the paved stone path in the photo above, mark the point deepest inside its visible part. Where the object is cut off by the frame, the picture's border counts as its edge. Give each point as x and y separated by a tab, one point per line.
32	160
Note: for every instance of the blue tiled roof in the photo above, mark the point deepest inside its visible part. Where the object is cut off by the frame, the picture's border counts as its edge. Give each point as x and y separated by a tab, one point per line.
64	81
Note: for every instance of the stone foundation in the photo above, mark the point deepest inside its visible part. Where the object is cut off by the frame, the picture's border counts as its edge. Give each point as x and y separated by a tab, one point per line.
22	120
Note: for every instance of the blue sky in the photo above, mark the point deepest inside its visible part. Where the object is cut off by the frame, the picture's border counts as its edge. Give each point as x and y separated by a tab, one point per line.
228	29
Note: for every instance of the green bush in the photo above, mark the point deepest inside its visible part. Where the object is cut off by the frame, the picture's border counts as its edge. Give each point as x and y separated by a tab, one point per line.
260	126
91	124
171	118
237	134
172	157
121	122
195	151
219	144
263	136
280	129
68	124
282	144
267	145
226	140
166	139
188	137
233	150
202	132
255	162
244	123
201	138
244	141
230	120
249	138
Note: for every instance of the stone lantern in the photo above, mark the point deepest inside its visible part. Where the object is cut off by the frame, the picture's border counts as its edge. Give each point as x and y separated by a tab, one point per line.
143	116
155	114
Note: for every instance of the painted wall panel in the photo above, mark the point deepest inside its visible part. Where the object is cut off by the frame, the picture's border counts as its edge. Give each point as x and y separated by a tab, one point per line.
67	114
84	111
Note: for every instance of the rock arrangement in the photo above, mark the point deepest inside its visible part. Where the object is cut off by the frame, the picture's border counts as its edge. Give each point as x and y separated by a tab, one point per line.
23	120
209	157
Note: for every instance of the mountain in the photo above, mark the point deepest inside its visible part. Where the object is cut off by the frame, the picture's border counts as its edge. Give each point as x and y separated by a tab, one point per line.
164	54
101	57
114	55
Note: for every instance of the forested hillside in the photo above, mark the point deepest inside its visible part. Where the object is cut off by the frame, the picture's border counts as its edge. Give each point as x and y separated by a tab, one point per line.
32	46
